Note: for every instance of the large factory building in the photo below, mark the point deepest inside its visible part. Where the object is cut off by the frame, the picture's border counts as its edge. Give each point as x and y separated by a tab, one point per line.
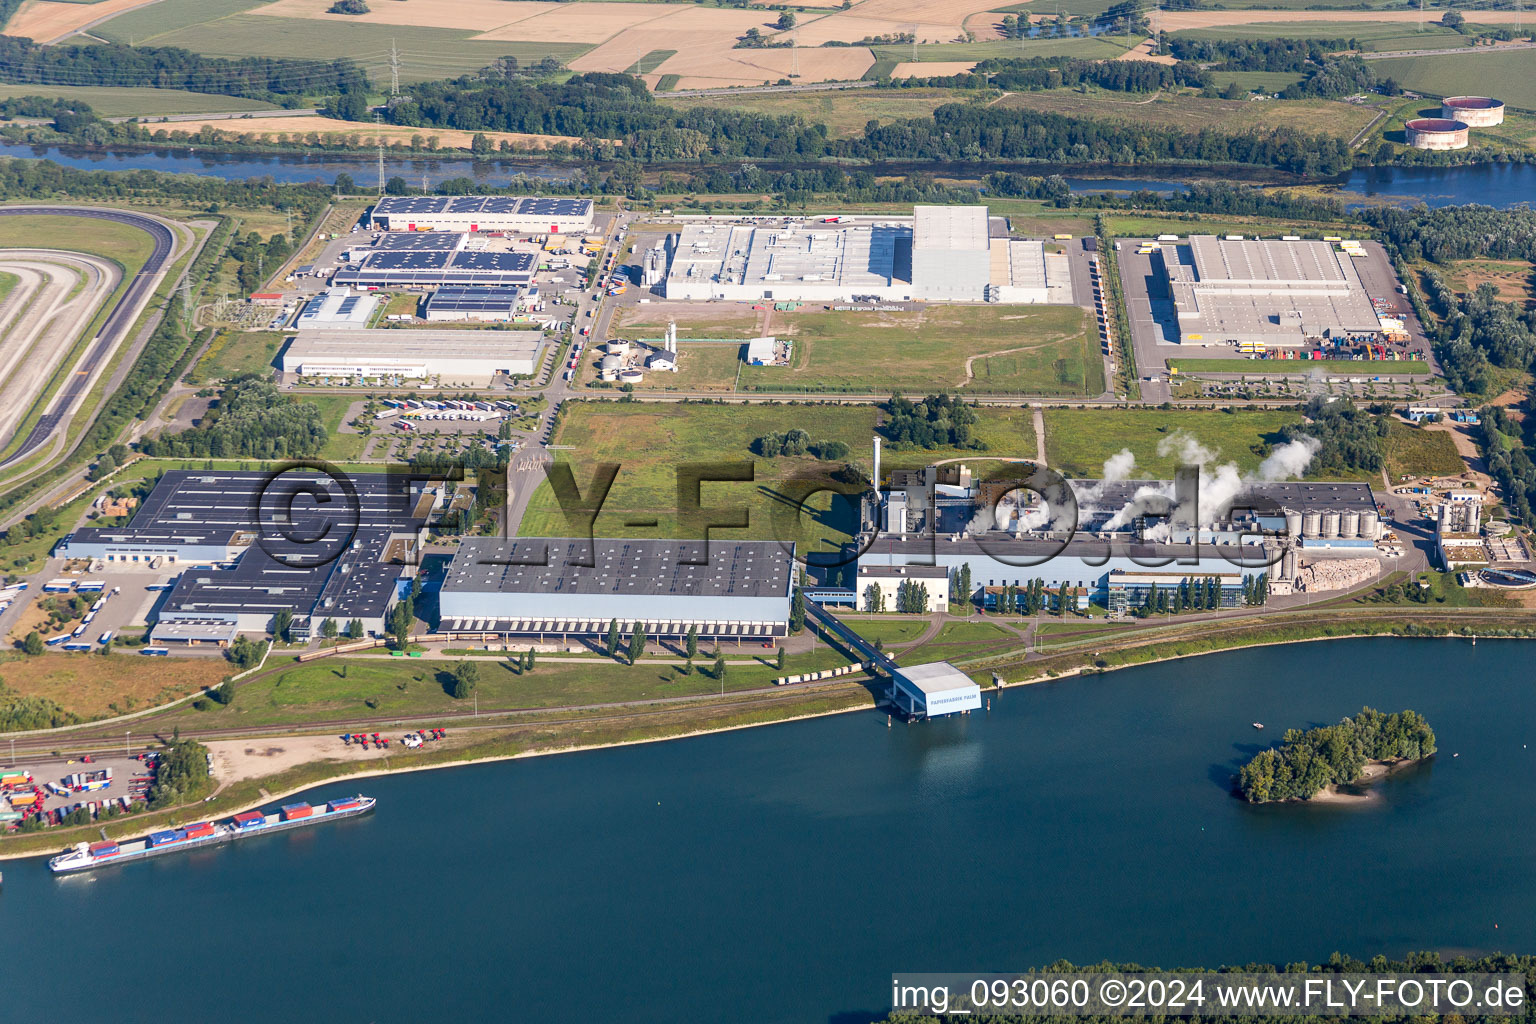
555	588
521	214
245	545
940	254
1265	293
1120	546
471	358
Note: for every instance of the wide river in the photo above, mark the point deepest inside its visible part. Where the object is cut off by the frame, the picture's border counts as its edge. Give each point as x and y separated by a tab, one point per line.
783	873
1500	185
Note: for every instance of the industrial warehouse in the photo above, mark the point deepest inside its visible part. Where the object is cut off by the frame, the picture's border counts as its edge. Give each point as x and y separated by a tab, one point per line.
470	358
481	213
555	588
244	544
437	268
1265	293
940	254
1125	537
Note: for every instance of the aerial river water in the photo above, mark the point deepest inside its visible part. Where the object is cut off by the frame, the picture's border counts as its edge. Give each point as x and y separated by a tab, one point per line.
783	873
1501	185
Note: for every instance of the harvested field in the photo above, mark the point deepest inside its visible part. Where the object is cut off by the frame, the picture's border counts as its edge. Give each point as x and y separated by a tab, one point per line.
723	68
578	22
1143	51
477	15
44	20
932	68
271	127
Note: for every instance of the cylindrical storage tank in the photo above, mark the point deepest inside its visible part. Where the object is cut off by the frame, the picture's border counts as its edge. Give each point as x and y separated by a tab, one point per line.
1436	133
1474	111
1312	524
1330	524
1370	525
1288	564
1292	522
1349	524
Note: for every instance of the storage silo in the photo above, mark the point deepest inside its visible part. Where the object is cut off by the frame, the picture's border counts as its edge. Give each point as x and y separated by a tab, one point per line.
1288	563
1312	524
1292	522
1330	524
1349	524
1370	525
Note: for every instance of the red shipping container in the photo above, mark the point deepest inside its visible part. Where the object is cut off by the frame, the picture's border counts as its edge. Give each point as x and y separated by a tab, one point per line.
292	811
197	831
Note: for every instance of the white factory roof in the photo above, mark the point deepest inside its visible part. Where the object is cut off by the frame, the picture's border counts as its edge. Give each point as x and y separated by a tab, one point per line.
952	228
936	677
338	308
415	344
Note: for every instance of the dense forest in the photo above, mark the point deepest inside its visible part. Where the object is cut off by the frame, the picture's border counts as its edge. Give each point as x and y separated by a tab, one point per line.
938	421
1307	762
1509	462
252	419
1255	54
1349	438
1027	74
164	67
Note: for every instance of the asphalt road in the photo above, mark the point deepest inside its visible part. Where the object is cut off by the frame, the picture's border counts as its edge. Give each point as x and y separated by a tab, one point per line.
115	328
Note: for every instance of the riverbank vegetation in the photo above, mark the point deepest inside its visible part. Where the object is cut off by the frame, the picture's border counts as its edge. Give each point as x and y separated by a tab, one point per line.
1308	762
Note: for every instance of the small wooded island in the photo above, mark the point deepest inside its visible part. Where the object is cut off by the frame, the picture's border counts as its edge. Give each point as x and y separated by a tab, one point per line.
1306	763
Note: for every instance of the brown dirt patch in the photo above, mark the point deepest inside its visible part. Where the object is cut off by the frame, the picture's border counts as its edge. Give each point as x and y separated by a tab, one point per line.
87	683
1143	51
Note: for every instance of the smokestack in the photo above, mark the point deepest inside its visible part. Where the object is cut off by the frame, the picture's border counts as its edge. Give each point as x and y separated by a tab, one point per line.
877	464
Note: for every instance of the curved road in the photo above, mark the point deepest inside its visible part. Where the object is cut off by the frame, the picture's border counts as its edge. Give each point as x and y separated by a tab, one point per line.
118	323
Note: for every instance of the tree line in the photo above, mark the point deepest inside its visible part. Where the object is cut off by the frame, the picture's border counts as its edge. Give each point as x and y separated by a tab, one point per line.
1030	74
1307	762
166	67
1350	438
938	421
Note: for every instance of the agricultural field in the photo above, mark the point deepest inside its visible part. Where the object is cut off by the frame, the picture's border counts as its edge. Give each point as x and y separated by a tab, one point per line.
1192	112
649	442
845	112
137	102
96	685
1366	26
1085	47
1014	349
1369	35
1256	81
1078	441
1507	75
47	20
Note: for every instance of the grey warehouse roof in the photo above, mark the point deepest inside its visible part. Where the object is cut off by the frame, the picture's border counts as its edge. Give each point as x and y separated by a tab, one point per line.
650	568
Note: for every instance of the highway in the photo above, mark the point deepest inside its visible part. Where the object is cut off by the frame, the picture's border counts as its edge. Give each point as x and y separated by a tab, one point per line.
116	327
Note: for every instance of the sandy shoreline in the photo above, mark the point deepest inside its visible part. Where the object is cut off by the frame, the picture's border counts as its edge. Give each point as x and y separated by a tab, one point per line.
280	743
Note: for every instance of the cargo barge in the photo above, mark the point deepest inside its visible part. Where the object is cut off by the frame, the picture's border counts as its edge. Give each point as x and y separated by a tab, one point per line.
87	856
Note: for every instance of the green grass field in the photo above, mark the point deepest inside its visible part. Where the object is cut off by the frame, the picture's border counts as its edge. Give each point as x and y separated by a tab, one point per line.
1015	349
7	282
1192	112
1417	450
888	631
132	102
1086	47
221	28
1265	81
1511	75
233	353
1368	35
845	112
650	442
650	62
129	246
374	686
1077	441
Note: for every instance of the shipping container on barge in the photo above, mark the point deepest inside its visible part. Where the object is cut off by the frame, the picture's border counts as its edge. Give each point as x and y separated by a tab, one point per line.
87	856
